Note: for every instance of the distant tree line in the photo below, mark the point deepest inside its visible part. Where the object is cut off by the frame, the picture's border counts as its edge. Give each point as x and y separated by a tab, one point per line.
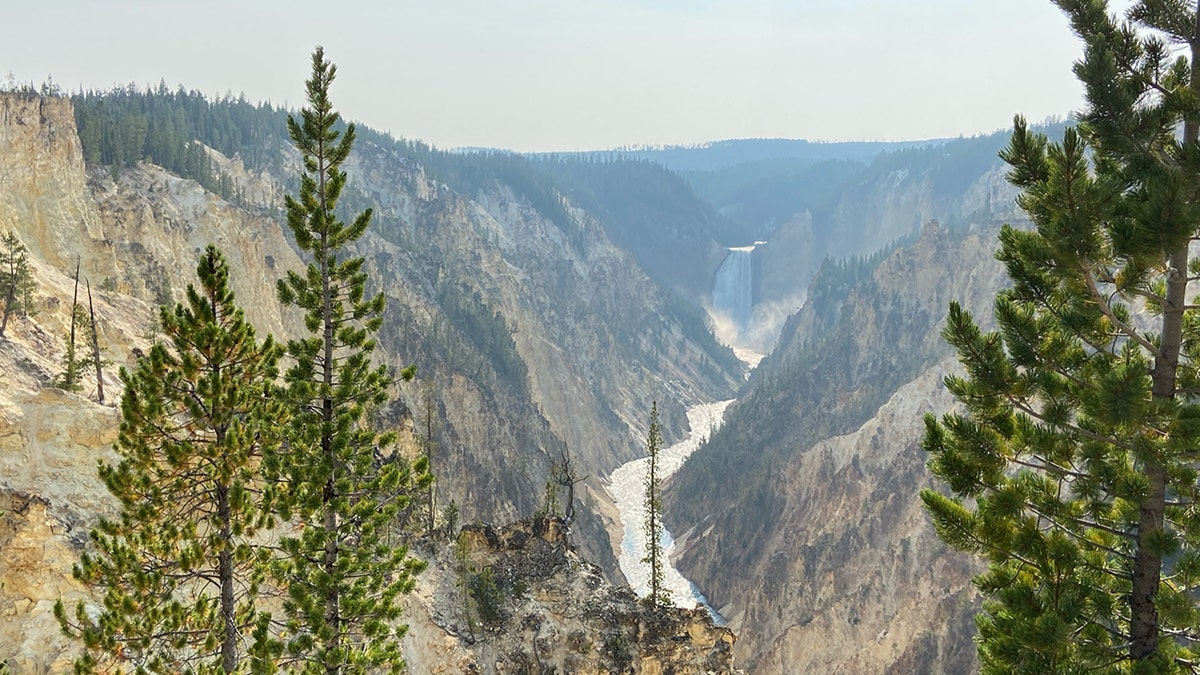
646	209
955	165
755	198
128	124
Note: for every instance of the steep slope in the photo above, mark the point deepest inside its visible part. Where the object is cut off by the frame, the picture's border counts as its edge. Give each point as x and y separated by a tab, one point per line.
800	519
957	182
538	345
590	326
650	212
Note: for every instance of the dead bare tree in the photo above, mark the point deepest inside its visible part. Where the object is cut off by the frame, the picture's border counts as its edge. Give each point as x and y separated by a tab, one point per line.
564	475
95	341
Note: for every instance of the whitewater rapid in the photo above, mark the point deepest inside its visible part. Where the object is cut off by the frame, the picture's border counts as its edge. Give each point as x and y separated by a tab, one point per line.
628	489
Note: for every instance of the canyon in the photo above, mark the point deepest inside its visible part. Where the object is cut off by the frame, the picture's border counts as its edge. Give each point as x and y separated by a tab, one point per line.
545	330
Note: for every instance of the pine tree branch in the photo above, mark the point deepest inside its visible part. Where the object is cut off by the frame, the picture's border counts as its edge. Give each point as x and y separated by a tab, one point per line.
1054	521
1049	467
1067	426
1144	294
1127	330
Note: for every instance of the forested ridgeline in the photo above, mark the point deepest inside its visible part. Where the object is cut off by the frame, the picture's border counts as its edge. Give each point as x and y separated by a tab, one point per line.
756	197
128	124
648	210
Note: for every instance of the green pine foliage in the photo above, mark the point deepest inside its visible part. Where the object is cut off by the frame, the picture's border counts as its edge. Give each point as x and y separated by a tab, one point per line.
480	340
653	505
343	575
179	570
16	278
1072	465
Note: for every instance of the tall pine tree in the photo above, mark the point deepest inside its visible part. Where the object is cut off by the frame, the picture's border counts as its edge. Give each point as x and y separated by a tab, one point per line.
1074	464
342	573
180	567
653	505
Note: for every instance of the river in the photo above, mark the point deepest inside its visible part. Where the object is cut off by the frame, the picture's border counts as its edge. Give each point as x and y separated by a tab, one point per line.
628	489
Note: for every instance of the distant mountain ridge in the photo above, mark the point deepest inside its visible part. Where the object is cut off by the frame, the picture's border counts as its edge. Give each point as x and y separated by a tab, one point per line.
725	153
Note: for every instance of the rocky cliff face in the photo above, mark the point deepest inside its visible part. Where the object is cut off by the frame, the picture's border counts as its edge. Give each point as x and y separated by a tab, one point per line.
518	600
575	305
461	276
818	550
44	181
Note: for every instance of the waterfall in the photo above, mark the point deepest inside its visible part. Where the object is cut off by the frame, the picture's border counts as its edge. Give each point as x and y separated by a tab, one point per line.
733	286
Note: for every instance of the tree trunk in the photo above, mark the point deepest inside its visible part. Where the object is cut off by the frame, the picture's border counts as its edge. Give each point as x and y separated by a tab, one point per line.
332	597
229	636
71	377
427	395
229	654
329	496
1148	561
8	301
12	289
96	348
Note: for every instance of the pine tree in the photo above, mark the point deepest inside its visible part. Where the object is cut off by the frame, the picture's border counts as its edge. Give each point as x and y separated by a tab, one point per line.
16	279
343	577
653	505
180	567
1074	466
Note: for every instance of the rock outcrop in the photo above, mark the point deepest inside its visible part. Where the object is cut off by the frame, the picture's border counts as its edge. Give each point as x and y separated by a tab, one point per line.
43	184
518	600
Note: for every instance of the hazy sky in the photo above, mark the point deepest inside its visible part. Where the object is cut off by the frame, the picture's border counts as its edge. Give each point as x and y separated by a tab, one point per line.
583	74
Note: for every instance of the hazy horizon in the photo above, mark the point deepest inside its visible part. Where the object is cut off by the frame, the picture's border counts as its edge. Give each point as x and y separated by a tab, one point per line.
547	76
